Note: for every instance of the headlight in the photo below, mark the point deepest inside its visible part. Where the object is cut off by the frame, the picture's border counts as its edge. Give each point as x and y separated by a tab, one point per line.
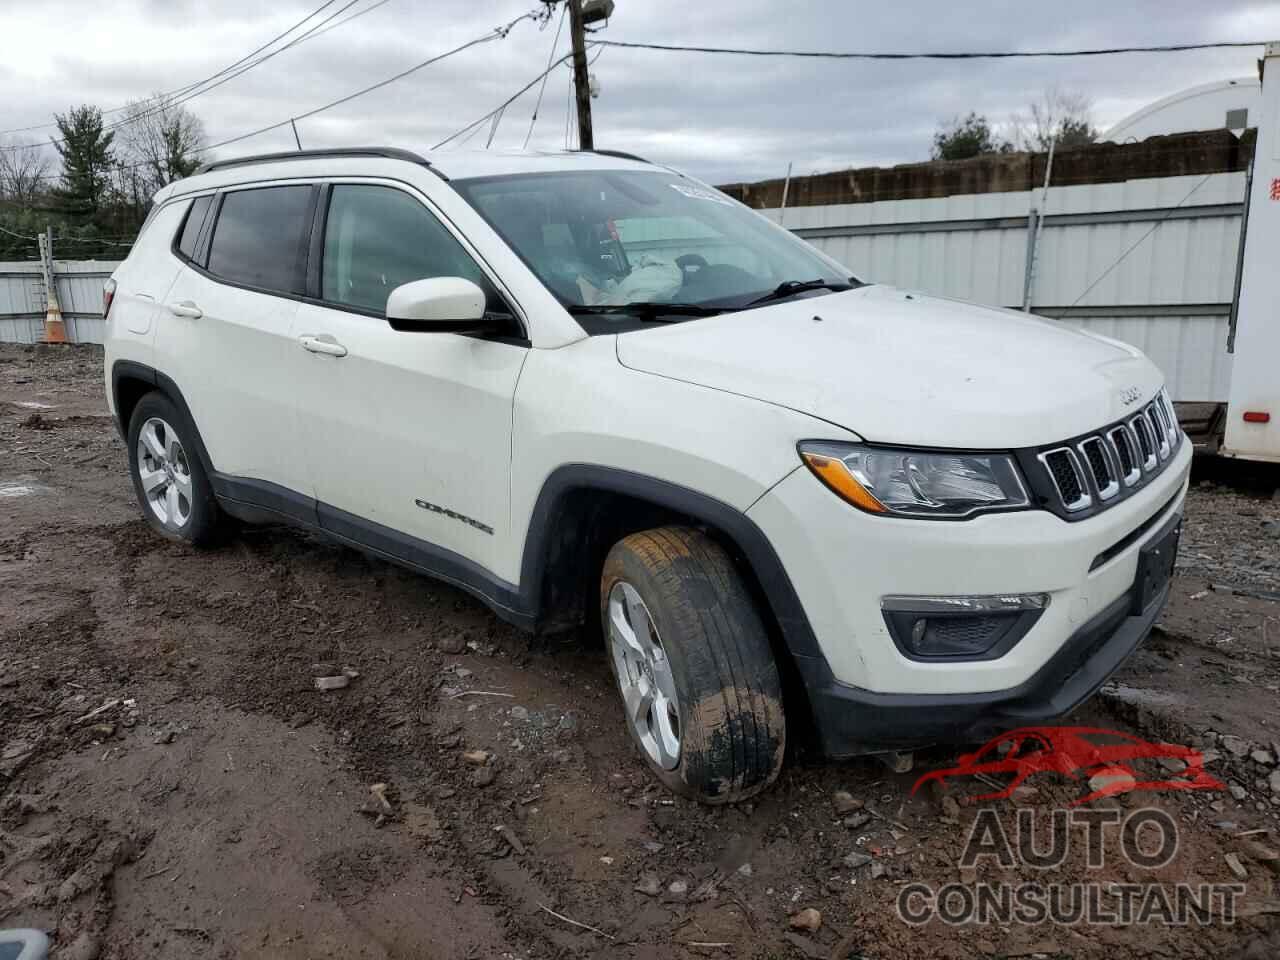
917	483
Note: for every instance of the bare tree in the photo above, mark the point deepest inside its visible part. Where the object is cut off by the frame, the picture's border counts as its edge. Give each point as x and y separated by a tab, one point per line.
24	171
1059	115
162	141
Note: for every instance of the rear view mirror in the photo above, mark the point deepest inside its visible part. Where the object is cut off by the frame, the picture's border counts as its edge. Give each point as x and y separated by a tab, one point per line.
439	304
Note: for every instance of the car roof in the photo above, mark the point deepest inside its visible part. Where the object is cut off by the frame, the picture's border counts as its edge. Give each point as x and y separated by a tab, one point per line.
450	164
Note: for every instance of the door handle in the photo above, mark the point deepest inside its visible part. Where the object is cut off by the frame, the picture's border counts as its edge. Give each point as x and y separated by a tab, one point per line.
186	309
322	343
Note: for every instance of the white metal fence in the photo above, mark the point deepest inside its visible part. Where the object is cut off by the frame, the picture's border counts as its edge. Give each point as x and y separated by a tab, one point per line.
1151	262
23	299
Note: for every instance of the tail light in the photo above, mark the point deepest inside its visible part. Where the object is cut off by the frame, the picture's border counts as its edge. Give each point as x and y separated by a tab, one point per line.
108	294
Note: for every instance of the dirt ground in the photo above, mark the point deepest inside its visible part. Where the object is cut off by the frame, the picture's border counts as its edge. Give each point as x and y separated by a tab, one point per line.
173	785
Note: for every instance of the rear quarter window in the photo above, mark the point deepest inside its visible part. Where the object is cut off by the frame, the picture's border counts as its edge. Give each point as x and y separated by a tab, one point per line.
191	225
259	238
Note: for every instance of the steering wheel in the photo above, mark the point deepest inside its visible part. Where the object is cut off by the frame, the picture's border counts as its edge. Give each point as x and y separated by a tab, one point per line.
716	280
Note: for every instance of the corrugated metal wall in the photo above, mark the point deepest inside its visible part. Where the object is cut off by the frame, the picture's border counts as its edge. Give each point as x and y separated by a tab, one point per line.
1170	295
22	299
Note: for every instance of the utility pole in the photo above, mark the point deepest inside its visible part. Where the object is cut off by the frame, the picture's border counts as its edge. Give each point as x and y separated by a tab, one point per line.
581	82
1035	226
55	331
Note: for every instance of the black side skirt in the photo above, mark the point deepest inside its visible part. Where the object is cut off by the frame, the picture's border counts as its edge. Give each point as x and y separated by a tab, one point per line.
258	501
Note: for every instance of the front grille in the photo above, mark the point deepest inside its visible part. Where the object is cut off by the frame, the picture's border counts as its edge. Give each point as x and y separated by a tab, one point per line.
1089	473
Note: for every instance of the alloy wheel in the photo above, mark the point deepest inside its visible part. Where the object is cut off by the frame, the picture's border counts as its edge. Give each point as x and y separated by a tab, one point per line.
164	474
644	676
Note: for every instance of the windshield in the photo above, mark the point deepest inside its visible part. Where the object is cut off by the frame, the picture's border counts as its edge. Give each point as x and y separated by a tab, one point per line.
604	239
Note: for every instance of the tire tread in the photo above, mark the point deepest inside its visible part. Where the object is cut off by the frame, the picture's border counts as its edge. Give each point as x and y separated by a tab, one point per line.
726	649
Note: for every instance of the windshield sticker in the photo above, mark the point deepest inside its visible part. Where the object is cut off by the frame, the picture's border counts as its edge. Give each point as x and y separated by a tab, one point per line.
700	193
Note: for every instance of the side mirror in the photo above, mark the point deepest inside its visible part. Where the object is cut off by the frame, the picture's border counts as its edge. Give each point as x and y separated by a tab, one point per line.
439	304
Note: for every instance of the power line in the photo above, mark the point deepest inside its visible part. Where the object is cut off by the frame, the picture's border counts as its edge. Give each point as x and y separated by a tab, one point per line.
502	106
98	240
310	32
190	92
102	241
543	89
176	101
971	55
496	34
20	236
182	91
191	86
493	130
354	16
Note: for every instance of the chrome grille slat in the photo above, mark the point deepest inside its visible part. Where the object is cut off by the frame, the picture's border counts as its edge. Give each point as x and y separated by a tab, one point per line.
1175	430
1125	446
1093	470
1098	457
1146	442
1154	415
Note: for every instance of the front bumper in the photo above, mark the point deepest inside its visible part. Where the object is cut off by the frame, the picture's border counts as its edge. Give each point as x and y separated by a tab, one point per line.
865	694
853	721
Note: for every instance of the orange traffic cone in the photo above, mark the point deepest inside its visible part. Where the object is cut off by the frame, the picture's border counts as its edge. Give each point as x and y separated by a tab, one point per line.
55	331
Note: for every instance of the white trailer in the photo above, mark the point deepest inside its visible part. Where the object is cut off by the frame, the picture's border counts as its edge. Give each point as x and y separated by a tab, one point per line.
1253	407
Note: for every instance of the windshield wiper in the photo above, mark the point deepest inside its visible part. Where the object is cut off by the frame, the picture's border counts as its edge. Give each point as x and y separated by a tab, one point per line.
789	288
646	311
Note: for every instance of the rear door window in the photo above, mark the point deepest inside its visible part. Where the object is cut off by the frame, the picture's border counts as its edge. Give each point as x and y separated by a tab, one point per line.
259	239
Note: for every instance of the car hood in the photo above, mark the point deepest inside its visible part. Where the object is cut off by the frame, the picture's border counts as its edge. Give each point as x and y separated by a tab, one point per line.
899	367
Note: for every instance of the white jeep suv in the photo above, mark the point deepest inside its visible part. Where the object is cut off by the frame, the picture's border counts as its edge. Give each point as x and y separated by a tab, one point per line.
590	390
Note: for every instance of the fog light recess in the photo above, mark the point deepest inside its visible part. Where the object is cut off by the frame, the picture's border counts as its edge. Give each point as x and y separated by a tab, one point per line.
961	628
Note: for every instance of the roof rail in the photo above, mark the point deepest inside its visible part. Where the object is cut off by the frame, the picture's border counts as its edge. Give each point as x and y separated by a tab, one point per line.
620	154
394	153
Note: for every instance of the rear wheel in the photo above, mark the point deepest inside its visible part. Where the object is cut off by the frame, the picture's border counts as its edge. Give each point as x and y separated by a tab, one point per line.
172	488
700	690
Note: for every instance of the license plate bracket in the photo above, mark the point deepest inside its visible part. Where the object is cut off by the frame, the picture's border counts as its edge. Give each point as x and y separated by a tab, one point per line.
1155	568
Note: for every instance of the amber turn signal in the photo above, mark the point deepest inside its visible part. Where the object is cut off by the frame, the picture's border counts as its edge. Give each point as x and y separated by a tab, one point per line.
837	477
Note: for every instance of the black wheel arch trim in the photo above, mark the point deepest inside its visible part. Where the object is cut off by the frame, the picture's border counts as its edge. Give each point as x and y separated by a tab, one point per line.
132	370
745	535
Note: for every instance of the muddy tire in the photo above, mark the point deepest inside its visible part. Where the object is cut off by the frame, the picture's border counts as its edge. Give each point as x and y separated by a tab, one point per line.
701	693
169	481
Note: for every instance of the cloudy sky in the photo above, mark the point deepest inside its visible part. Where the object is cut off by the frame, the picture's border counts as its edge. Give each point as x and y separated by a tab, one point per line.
720	117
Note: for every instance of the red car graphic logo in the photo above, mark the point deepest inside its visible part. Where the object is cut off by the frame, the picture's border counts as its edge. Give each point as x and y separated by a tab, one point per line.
1079	753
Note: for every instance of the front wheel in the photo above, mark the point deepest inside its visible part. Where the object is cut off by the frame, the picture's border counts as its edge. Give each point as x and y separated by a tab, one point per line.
692	660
